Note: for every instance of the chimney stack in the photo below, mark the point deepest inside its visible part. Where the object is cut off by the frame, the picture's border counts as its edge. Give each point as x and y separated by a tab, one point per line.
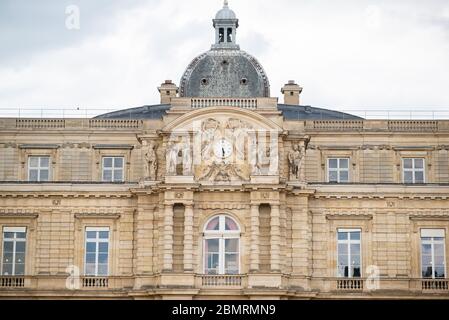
291	92
168	90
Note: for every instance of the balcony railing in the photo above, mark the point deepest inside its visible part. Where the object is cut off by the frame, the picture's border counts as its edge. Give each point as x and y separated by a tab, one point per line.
412	126
95	282
211	281
350	285
220	102
434	285
12	282
335	125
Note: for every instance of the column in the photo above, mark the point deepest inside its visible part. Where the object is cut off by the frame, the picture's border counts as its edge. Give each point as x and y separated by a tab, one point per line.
168	238
188	237
275	237
254	252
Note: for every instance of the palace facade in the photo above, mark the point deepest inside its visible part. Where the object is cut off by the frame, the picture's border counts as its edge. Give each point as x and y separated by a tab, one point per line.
222	192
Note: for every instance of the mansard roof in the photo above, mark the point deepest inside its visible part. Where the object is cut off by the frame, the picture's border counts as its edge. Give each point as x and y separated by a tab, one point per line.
290	112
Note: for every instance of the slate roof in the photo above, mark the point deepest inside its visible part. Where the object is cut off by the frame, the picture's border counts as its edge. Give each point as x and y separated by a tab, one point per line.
290	112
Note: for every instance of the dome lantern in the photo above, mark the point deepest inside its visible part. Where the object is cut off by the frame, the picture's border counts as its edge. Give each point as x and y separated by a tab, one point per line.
225	24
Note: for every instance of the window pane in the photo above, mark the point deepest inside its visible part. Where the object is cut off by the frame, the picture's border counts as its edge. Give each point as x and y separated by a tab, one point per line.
90	269
7	257
231	264
91	234
90	258
212	245
212	263
426	249
230	224
118	162
333	163
419	163
232	245
91	247
355	259
355	249
213	224
426	260
20	269
104	234
102	269
8	246
107	162
103	247
20	258
34	162
408	163
44	175
333	176
356	272
355	235
344	163
7	269
33	175
103	258
107	175
439	272
45	162
342	248
408	176
419	177
344	176
118	175
21	235
8	235
343	235
427	271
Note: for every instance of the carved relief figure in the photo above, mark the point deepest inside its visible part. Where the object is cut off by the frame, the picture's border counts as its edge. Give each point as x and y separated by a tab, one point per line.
172	158
186	159
151	163
294	160
209	128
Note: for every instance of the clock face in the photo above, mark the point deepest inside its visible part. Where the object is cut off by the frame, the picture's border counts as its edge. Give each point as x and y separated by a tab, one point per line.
223	148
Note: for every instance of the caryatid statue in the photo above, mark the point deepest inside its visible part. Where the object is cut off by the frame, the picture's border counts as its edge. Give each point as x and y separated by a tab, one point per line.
151	163
295	157
172	158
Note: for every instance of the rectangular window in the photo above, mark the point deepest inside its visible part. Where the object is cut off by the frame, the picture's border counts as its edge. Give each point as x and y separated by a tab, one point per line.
113	168
433	257
97	252
38	169
413	170
349	253
338	170
14	247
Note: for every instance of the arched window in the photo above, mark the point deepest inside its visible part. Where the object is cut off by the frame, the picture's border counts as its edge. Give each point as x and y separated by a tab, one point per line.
221	246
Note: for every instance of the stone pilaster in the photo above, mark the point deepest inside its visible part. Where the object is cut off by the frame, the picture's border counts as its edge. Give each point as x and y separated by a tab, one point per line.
168	238
254	252
188	237
275	239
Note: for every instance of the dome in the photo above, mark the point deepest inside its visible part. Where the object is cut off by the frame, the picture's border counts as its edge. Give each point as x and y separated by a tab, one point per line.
225	73
225	13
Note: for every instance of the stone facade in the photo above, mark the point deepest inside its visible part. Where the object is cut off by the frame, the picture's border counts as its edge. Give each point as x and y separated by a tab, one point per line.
288	227
157	184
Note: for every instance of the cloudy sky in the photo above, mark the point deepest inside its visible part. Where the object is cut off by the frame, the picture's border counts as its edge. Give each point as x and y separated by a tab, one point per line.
347	54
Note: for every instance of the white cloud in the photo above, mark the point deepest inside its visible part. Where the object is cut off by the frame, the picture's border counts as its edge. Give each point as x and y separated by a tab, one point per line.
354	54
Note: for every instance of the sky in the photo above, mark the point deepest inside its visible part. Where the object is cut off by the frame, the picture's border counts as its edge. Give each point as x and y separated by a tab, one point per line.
346	54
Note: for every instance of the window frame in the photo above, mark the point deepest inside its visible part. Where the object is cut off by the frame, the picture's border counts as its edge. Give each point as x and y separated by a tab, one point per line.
349	242
432	243
112	169
413	170
97	241
39	168
222	235
14	240
338	169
